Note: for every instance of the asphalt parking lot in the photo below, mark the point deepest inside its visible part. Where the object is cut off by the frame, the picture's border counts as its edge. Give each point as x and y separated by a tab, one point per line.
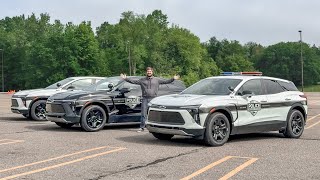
42	150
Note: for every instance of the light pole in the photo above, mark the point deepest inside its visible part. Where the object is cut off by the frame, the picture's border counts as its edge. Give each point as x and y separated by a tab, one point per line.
129	56
301	58
2	77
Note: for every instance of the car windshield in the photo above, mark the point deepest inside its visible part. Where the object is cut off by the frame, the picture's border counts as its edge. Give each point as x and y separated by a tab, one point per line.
62	82
103	84
213	86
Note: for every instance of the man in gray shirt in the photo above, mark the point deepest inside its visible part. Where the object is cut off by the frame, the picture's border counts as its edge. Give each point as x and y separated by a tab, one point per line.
150	87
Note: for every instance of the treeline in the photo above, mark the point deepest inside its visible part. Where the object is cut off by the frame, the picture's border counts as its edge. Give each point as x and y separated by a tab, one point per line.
38	52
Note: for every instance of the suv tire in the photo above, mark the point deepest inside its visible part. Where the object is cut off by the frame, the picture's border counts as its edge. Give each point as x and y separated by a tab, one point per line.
295	124
38	110
217	130
93	118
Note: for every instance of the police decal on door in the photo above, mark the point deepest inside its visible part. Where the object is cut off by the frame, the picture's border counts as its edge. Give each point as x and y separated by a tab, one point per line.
253	107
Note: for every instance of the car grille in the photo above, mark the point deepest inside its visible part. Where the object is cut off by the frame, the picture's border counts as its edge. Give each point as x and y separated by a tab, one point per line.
54	108
165	117
14	103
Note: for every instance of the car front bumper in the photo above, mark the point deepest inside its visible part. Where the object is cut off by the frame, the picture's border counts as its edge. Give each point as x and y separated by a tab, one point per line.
62	113
173	121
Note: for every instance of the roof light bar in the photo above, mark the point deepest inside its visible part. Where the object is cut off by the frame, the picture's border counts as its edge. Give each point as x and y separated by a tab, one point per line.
241	73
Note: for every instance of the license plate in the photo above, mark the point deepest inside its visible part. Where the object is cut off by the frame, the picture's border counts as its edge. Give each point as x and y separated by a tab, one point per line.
135	100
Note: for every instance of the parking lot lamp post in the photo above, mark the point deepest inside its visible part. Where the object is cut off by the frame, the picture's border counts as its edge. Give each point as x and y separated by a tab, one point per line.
301	59
2	77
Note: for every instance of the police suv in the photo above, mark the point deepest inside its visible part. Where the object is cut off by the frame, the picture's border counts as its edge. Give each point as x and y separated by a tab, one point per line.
233	103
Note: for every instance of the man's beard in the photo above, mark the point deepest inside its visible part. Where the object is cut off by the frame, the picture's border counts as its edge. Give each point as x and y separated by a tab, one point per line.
149	75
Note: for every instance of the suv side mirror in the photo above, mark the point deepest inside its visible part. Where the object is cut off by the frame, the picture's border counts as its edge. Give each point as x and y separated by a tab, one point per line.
110	86
124	90
231	89
246	94
58	85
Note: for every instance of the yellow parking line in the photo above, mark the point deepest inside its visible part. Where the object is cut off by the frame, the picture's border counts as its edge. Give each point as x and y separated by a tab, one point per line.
61	164
313	117
51	159
207	168
4	140
312	125
238	169
230	174
11	142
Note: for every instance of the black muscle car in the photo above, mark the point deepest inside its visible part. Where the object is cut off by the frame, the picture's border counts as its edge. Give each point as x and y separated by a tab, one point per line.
110	101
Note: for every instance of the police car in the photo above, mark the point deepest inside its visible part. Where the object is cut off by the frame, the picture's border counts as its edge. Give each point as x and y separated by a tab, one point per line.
233	103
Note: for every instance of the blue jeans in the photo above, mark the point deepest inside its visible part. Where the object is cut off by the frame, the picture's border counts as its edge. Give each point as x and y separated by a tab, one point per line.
144	111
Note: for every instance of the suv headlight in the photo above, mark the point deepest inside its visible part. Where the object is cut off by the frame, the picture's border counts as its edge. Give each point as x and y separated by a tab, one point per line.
194	112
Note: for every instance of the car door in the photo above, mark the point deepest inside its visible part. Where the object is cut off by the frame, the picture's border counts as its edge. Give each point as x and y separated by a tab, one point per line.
278	101
251	116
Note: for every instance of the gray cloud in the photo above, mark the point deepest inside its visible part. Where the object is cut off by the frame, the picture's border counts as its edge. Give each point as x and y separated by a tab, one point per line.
266	22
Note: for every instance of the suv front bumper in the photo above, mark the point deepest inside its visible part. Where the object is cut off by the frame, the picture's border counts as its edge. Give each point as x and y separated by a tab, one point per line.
61	112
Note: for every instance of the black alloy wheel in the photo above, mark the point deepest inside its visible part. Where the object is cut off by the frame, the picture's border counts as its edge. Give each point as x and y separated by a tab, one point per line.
38	110
217	130
93	118
295	124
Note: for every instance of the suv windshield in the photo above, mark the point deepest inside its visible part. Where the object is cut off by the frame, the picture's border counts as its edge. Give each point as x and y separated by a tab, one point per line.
103	84
62	82
214	86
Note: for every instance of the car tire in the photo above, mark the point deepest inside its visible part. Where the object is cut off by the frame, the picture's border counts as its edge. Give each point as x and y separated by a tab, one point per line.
217	130
93	118
295	124
162	136
38	110
64	125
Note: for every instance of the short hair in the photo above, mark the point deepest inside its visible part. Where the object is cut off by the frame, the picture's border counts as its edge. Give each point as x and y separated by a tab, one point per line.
149	68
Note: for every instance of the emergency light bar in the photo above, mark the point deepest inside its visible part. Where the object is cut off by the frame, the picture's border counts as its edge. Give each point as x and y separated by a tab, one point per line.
241	74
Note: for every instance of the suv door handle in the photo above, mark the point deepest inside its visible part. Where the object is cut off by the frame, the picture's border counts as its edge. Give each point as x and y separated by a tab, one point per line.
287	99
264	101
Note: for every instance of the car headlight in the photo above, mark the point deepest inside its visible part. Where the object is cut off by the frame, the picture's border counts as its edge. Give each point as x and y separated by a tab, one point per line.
194	112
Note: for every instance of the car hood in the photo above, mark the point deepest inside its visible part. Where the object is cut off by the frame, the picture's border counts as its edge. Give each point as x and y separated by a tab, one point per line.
179	100
26	92
191	99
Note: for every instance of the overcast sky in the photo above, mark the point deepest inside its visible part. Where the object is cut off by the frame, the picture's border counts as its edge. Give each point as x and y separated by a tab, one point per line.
263	21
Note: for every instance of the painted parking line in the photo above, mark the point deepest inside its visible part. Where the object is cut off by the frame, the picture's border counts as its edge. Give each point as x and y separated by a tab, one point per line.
227	176
313	117
9	141
62	164
312	125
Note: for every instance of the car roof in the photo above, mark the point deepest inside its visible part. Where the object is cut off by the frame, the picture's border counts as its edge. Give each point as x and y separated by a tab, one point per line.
87	77
247	78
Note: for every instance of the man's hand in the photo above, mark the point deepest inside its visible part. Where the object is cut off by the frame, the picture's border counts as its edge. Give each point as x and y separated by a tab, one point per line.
176	77
123	76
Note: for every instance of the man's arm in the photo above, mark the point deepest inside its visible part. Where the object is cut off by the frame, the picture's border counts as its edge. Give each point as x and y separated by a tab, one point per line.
124	77
168	81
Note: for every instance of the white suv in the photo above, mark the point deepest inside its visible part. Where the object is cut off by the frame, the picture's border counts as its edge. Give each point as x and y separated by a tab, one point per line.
234	103
32	103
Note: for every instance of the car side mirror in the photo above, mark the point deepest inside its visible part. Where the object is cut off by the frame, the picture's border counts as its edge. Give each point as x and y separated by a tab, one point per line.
110	86
58	85
231	89
124	90
246	94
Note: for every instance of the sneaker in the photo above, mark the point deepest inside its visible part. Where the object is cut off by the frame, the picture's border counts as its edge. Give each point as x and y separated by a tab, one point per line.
140	130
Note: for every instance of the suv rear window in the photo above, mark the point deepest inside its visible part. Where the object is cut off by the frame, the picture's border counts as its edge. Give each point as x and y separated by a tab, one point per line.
288	86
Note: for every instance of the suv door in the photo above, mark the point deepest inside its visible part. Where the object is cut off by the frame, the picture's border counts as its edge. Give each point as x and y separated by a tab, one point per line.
251	116
278	102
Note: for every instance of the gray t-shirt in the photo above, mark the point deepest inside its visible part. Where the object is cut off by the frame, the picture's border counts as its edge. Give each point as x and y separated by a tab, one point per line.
149	85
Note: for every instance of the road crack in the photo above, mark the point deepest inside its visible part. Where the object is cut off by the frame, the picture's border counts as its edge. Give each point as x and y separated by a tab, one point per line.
157	161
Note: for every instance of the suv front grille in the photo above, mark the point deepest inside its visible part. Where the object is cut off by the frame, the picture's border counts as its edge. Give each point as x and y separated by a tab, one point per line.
14	103
165	117
55	108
